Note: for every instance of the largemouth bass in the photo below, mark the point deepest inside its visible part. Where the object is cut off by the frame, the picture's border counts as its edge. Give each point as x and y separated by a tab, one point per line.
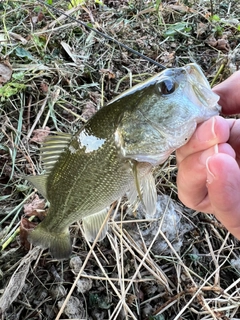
115	151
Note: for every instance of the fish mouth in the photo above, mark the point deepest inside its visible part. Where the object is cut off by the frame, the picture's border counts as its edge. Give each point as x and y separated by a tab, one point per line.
203	93
195	73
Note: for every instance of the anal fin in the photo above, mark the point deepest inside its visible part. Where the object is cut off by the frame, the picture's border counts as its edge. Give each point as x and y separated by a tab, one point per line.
92	225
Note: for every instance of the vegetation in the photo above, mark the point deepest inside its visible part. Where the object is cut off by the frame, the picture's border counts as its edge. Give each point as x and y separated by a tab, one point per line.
54	75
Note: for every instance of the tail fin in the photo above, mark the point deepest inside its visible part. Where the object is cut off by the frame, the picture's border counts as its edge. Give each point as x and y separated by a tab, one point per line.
59	244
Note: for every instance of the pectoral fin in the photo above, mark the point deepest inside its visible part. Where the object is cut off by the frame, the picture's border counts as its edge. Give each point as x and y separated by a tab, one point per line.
149	194
92	225
144	188
137	179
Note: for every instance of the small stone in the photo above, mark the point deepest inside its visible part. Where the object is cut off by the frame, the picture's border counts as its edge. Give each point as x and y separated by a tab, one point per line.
84	285
75	264
74	308
58	292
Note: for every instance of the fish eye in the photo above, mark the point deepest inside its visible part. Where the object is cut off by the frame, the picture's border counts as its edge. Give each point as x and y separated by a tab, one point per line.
166	87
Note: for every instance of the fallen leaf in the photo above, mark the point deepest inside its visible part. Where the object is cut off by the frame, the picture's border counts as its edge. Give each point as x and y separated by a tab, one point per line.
180	8
220	44
168	57
69	51
44	87
40	17
201	28
223	45
5	72
89	110
35	208
108	72
18	37
25	227
23	53
39	135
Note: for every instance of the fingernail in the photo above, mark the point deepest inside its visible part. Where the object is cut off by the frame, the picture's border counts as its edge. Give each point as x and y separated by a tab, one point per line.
207	154
204	134
210	175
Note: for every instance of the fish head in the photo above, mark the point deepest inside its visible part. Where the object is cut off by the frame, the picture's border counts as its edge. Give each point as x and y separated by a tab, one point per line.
166	112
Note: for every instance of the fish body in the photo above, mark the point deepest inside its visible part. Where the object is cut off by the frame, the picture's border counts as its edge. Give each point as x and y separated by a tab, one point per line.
115	151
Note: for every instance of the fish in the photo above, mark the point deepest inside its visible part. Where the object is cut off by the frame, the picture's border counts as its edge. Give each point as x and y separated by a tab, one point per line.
114	154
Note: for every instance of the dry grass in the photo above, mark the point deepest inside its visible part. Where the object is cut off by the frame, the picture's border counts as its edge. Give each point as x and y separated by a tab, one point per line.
62	73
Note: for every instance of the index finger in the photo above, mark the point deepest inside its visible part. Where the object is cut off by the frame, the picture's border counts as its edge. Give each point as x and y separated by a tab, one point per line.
209	133
229	92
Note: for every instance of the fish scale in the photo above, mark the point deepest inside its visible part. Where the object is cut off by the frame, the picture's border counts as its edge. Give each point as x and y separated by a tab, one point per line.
114	153
81	189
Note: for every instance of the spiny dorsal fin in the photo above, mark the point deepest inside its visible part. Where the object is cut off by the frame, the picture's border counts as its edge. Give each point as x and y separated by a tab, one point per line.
92	225
52	148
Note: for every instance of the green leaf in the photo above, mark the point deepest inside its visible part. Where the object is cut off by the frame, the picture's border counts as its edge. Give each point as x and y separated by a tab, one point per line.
99	301
18	76
2	147
9	89
173	29
157	5
21	187
215	17
194	257
22	53
158	317
5	197
75	3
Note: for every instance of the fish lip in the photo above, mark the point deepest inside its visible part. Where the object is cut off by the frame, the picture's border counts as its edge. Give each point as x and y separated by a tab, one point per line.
202	89
196	76
194	73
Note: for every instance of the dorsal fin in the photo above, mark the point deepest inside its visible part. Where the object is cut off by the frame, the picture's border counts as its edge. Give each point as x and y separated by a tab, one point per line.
52	148
39	182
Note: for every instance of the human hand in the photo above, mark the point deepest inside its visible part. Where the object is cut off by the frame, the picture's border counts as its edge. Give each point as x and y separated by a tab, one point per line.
209	175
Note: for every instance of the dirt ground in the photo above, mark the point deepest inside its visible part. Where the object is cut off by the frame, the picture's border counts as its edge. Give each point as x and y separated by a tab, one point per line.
55	73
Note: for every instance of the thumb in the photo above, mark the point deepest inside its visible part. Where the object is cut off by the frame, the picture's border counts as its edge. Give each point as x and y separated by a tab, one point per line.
229	88
223	181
